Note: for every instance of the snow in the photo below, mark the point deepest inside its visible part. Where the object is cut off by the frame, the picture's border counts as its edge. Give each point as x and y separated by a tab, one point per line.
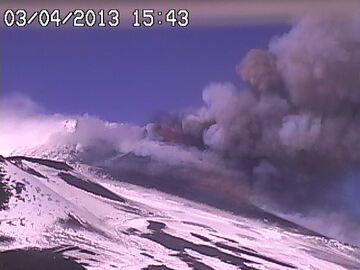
118	234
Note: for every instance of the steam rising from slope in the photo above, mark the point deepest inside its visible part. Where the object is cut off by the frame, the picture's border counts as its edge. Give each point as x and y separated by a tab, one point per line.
22	125
292	135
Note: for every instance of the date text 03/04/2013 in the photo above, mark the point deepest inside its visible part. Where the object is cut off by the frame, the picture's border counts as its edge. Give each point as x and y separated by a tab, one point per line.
95	18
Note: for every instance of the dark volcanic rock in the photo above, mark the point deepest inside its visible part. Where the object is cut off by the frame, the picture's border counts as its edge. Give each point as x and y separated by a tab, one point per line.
6	239
91	187
58	165
19	187
17	161
34	259
34	172
175	243
74	223
157	267
5	193
71	222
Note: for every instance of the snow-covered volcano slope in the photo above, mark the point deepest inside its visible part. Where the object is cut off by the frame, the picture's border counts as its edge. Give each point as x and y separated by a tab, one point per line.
103	224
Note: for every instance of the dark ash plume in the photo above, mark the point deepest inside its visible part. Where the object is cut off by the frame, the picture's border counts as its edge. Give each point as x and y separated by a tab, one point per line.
295	130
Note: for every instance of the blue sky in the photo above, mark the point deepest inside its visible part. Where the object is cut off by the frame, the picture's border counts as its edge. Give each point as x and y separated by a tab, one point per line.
126	75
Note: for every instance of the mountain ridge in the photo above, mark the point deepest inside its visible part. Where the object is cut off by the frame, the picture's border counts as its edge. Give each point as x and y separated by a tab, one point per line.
68	213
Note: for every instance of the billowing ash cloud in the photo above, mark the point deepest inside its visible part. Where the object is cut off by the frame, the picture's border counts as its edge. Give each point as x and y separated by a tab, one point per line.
291	135
294	131
297	124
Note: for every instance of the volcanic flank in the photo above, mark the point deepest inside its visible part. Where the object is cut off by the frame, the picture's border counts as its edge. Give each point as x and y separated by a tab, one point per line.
77	217
287	137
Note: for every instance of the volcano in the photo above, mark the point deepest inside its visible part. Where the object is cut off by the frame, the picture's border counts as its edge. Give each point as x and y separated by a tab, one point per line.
72	215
